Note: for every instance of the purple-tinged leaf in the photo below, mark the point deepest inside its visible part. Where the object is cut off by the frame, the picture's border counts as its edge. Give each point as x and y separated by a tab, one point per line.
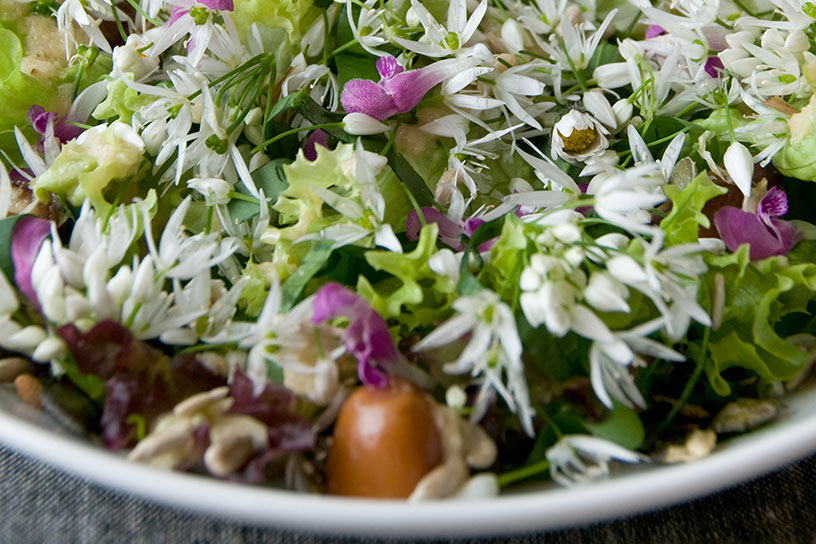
288	431
714	67
139	379
449	232
26	239
63	130
220	5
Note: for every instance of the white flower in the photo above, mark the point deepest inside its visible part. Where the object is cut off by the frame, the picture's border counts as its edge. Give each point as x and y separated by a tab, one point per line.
581	459
739	163
442	41
626	198
492	354
361	124
578	136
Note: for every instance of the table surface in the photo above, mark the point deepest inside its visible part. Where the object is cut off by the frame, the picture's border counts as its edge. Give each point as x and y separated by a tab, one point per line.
40	504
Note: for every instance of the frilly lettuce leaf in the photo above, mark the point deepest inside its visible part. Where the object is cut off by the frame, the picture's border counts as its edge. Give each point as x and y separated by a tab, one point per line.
121	103
299	203
507	257
293	16
686	216
798	160
18	91
86	166
758	296
415	295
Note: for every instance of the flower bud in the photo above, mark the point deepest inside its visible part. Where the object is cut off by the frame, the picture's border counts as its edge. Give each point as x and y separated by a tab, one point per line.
361	124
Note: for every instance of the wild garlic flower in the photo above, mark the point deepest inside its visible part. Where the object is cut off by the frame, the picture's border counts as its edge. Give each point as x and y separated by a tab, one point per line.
773	66
578	136
307	354
581	459
88	15
442	41
578	46
368	28
195	18
492	353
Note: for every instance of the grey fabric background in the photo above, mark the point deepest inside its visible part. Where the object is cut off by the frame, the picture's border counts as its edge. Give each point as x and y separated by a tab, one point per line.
39	504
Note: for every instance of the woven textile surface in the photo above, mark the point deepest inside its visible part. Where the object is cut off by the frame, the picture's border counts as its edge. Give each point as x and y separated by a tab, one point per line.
40	504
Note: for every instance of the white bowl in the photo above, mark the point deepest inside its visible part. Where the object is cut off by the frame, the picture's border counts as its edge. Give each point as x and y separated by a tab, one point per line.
634	490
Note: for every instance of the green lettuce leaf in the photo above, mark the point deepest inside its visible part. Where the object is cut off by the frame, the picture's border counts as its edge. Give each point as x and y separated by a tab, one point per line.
304	211
686	217
121	103
414	295
759	296
18	92
292	16
84	170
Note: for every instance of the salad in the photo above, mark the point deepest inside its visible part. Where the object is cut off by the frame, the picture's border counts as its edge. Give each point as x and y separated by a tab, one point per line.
404	248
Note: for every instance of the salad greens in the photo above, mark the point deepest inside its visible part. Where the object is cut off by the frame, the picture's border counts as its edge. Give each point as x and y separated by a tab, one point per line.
580	230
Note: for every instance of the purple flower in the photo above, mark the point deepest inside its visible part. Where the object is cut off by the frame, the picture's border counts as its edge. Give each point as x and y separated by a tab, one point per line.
26	238
366	337
397	91
41	119
767	235
216	5
714	67
654	31
317	137
449	232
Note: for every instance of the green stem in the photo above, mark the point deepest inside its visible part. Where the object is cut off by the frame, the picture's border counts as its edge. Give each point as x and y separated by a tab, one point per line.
241	196
343	47
523	473
282	135
391	138
142	12
690	385
414	204
119	26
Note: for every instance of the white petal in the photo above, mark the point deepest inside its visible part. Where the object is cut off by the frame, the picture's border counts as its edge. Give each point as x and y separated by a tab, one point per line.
739	163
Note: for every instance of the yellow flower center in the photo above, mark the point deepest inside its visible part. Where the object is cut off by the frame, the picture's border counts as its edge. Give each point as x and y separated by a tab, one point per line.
579	141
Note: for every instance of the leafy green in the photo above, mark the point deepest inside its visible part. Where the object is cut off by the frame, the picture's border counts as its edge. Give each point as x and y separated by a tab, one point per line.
292	16
303	210
121	102
758	296
682	224
18	91
622	426
314	260
84	170
271	179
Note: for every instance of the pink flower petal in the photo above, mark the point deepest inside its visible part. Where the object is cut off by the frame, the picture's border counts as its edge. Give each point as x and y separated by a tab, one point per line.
317	137
221	5
737	227
714	67
26	238
449	232
388	67
654	31
365	96
408	88
366	337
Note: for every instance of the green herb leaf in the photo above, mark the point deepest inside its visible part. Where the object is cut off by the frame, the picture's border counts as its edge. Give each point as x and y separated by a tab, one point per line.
314	260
